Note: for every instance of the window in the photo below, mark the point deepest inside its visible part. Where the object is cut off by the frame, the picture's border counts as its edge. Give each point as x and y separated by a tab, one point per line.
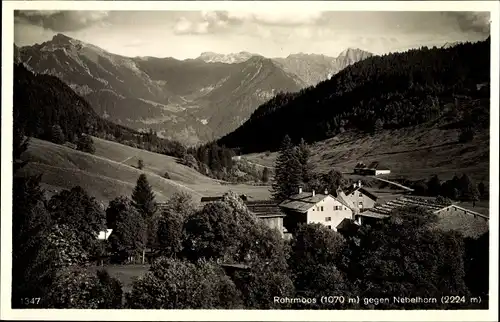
360	194
321	208
360	204
329	227
328	218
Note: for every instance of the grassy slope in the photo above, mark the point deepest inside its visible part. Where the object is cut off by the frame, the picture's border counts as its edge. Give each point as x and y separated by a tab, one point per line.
111	172
414	153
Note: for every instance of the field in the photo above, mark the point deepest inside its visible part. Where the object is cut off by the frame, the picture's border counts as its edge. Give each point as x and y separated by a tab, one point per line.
415	153
112	172
126	274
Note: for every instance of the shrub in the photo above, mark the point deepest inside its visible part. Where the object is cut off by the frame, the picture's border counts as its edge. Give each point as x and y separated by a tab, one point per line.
177	284
140	164
85	144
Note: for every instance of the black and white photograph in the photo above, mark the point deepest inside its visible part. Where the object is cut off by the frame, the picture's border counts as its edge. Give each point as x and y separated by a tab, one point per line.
257	156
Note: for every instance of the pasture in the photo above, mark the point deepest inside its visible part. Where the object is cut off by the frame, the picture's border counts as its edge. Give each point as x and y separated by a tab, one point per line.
112	171
413	153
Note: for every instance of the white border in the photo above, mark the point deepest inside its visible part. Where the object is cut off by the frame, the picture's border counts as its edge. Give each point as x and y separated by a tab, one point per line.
241	315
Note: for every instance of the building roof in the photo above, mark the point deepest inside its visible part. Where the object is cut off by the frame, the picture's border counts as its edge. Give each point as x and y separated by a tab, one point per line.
304	201
468	222
219	198
211	199
363	190
264	208
377	165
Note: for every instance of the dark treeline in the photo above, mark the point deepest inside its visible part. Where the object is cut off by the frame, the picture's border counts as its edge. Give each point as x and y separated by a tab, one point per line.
461	188
390	91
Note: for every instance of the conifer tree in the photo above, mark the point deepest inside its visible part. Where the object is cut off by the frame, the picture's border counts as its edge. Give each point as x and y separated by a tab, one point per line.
288	172
265	174
143	197
303	153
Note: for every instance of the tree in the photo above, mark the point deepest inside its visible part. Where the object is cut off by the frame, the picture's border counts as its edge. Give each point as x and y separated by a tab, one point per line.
288	172
143	197
379	125
171	223
303	154
85	144
184	285
468	189
20	145
466	135
226	231
80	215
57	134
434	186
312	245
261	284
77	288
265	175
129	229
33	269
140	164
483	191
405	255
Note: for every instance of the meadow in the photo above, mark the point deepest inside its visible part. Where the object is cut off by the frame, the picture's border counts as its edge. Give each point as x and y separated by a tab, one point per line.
413	153
112	171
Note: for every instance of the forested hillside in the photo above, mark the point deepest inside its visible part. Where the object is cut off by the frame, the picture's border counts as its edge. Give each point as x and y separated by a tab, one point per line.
47	108
383	92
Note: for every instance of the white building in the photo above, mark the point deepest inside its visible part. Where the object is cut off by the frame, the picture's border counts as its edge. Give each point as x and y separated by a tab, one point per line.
104	235
312	207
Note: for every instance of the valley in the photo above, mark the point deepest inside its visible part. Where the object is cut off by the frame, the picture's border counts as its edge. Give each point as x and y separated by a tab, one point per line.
193	100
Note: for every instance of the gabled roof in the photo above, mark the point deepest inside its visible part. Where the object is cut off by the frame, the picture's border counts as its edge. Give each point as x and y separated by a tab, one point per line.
363	190
210	199
377	165
304	201
264	208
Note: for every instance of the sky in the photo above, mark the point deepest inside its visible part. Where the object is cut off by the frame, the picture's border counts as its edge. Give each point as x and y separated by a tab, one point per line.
186	34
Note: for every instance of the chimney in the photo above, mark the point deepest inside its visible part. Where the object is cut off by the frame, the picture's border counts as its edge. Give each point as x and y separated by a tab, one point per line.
359	183
300	190
314	193
326	191
354	185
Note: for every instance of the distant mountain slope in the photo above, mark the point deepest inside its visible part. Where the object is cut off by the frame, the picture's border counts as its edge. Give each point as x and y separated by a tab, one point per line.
391	91
312	68
185	100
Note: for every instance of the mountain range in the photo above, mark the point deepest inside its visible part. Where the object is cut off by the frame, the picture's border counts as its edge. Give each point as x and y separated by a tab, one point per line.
192	100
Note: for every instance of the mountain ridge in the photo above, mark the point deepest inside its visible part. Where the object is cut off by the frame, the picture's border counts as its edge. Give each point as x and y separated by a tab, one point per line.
381	92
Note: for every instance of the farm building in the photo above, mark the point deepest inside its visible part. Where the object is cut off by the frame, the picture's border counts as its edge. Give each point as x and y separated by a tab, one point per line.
452	217
268	212
312	207
374	169
358	197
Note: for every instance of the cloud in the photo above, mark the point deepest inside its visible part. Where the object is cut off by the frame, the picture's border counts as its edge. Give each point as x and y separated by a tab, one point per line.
278	18
478	22
61	21
208	22
204	22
